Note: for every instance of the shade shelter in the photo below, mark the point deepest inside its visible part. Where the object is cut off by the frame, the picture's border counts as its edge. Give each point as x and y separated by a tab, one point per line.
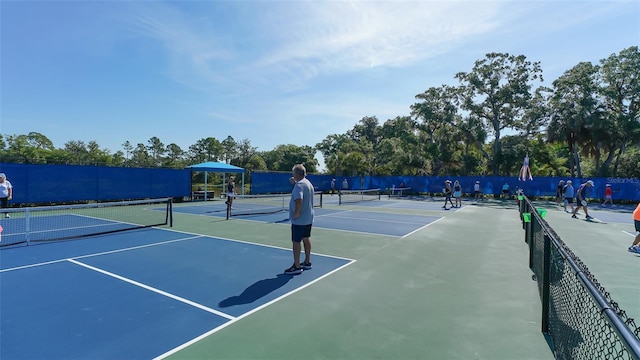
217	167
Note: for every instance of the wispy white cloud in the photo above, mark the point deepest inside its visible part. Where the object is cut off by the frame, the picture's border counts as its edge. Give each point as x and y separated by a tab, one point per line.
341	37
193	44
289	43
281	48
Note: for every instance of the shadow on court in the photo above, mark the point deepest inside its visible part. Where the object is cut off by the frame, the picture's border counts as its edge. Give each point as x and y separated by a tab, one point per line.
256	291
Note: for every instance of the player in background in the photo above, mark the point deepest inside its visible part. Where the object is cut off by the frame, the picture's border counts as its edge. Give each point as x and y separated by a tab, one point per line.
6	192
560	193
476	190
608	195
447	194
581	196
457	193
231	192
635	246
568	192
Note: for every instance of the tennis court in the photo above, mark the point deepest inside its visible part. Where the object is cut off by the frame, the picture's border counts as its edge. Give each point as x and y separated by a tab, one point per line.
136	294
391	279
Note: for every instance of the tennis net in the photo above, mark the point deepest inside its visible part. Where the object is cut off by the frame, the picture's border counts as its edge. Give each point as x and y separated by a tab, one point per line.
355	196
247	205
64	222
399	192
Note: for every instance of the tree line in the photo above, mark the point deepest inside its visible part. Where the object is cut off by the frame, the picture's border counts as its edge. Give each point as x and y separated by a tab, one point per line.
586	124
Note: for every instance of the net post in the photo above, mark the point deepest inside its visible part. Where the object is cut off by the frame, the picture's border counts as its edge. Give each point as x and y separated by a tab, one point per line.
228	210
170	212
546	281
27	229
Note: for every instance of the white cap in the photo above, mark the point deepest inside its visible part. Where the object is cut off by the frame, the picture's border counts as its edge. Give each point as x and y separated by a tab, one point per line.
568	181
590	182
2	175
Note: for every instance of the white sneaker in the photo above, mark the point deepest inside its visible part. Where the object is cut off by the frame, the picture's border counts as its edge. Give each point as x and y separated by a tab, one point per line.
6	216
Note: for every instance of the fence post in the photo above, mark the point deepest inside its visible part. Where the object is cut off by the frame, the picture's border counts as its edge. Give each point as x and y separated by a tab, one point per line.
546	281
531	240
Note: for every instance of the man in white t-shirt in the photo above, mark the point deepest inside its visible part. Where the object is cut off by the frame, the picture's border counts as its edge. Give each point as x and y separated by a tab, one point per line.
476	189
6	192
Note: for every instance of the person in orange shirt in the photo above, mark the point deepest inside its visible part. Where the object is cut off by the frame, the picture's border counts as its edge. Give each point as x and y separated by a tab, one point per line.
635	247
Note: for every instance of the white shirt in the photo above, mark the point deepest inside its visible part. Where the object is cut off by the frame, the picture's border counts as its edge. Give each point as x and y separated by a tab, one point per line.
4	188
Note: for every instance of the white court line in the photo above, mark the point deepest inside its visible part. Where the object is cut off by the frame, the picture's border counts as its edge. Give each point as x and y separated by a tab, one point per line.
157	291
628	233
102	253
334	213
433	222
380	220
213	237
214	330
354	232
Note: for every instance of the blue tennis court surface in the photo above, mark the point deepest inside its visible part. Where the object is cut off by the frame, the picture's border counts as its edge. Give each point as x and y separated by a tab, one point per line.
137	294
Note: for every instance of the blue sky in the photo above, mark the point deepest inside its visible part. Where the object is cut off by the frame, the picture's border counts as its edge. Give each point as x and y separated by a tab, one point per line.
272	72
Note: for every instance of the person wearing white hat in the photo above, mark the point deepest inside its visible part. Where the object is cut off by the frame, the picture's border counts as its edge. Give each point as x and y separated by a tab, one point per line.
608	195
476	189
568	192
581	196
6	192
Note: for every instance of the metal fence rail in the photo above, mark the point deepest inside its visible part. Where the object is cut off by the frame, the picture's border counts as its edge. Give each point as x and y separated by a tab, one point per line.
578	314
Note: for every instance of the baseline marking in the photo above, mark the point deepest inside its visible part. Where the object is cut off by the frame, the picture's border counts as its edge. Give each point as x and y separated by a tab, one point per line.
157	291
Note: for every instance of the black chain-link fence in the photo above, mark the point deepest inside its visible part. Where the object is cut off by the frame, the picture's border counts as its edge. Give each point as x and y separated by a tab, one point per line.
578	314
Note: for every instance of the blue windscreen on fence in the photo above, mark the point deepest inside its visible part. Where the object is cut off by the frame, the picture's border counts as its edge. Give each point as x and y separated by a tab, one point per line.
67	183
623	188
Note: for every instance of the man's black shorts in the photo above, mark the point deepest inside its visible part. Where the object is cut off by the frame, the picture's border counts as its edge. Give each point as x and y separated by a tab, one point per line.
299	232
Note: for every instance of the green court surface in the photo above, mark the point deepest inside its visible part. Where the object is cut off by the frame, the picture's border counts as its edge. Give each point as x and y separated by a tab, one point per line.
458	288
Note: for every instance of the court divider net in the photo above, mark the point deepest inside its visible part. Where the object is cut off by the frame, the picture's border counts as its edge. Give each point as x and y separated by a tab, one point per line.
399	192
32	225
356	196
248	205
